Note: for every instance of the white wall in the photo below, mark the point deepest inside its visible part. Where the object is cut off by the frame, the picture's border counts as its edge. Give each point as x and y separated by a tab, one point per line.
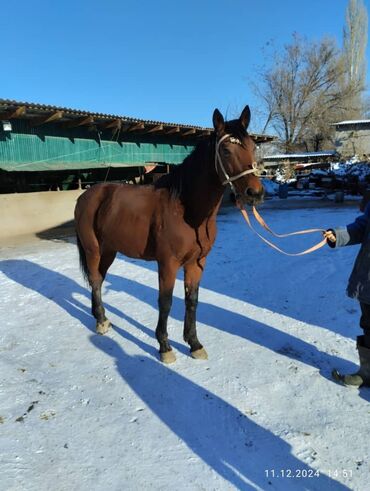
29	213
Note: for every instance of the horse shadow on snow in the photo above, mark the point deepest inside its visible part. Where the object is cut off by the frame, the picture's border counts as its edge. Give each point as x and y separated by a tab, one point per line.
231	444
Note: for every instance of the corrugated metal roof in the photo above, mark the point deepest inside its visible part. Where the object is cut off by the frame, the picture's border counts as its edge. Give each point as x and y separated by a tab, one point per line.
33	109
5	103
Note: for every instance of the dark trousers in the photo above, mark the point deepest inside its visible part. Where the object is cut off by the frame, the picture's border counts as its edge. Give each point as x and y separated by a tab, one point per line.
365	322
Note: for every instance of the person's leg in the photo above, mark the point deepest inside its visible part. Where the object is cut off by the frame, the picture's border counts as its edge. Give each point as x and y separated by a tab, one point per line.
362	376
365	323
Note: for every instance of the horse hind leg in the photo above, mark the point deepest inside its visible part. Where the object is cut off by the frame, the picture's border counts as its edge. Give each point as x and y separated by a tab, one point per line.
98	266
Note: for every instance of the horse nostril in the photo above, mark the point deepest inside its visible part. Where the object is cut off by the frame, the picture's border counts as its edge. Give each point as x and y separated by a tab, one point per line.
250	192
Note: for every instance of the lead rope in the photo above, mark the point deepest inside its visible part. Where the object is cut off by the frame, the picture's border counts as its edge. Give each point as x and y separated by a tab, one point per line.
266	227
229	180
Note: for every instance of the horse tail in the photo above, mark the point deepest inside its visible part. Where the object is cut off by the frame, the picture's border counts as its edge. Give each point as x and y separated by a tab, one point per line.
87	207
83	261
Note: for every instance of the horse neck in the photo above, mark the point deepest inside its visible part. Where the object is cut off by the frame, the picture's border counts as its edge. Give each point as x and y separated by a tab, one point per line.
203	193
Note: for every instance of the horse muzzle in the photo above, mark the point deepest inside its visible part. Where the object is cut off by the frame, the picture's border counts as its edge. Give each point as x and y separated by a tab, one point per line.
251	196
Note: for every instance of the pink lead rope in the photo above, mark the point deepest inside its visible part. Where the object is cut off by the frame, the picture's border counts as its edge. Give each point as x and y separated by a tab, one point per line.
261	221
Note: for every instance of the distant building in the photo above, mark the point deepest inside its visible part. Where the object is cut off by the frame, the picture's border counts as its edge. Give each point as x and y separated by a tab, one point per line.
304	161
353	138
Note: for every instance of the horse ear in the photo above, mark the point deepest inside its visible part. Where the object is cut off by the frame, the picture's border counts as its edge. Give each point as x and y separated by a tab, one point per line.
245	117
218	121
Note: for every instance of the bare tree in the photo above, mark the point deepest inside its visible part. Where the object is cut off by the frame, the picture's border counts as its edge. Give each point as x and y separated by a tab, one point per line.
303	91
355	41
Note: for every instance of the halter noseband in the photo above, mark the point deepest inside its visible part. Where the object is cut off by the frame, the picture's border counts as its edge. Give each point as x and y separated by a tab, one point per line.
229	180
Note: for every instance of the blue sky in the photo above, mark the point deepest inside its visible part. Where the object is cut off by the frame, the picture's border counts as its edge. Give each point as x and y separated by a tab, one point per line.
162	60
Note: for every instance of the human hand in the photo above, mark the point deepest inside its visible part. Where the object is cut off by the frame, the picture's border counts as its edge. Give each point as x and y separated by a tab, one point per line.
330	236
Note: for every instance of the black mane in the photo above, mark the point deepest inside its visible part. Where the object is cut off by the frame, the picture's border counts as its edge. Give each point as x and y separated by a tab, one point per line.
182	176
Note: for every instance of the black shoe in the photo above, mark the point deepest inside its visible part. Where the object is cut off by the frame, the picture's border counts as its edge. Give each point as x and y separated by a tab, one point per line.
362	376
353	380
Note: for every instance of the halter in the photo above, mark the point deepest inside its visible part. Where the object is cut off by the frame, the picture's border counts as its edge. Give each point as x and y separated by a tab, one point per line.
229	180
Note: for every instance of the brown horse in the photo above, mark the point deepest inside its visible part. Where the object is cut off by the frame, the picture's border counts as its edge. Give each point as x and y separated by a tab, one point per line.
172	222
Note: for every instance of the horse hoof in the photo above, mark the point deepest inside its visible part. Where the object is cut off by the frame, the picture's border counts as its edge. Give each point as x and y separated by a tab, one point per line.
168	357
199	354
103	327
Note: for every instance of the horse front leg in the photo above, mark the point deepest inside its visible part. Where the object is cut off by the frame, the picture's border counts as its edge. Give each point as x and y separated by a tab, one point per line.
167	276
193	273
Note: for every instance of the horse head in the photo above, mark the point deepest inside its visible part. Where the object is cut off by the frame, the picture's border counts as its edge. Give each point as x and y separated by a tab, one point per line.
234	159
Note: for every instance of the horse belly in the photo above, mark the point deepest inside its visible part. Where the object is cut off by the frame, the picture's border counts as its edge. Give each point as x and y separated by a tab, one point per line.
126	226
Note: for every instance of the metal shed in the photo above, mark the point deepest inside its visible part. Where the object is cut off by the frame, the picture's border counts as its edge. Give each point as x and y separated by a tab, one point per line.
43	140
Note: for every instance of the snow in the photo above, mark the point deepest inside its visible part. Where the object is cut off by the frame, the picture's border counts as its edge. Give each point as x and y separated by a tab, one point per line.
278	156
352	168
353	121
82	411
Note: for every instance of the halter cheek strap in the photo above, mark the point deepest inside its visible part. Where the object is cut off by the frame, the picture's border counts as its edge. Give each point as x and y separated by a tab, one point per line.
229	180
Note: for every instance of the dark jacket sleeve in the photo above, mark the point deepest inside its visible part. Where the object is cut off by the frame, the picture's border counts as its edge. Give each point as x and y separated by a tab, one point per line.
354	232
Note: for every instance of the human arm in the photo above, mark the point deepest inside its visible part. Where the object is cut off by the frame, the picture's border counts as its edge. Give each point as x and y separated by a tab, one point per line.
351	234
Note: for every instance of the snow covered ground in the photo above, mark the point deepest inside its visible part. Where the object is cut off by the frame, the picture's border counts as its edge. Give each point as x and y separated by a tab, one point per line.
84	412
